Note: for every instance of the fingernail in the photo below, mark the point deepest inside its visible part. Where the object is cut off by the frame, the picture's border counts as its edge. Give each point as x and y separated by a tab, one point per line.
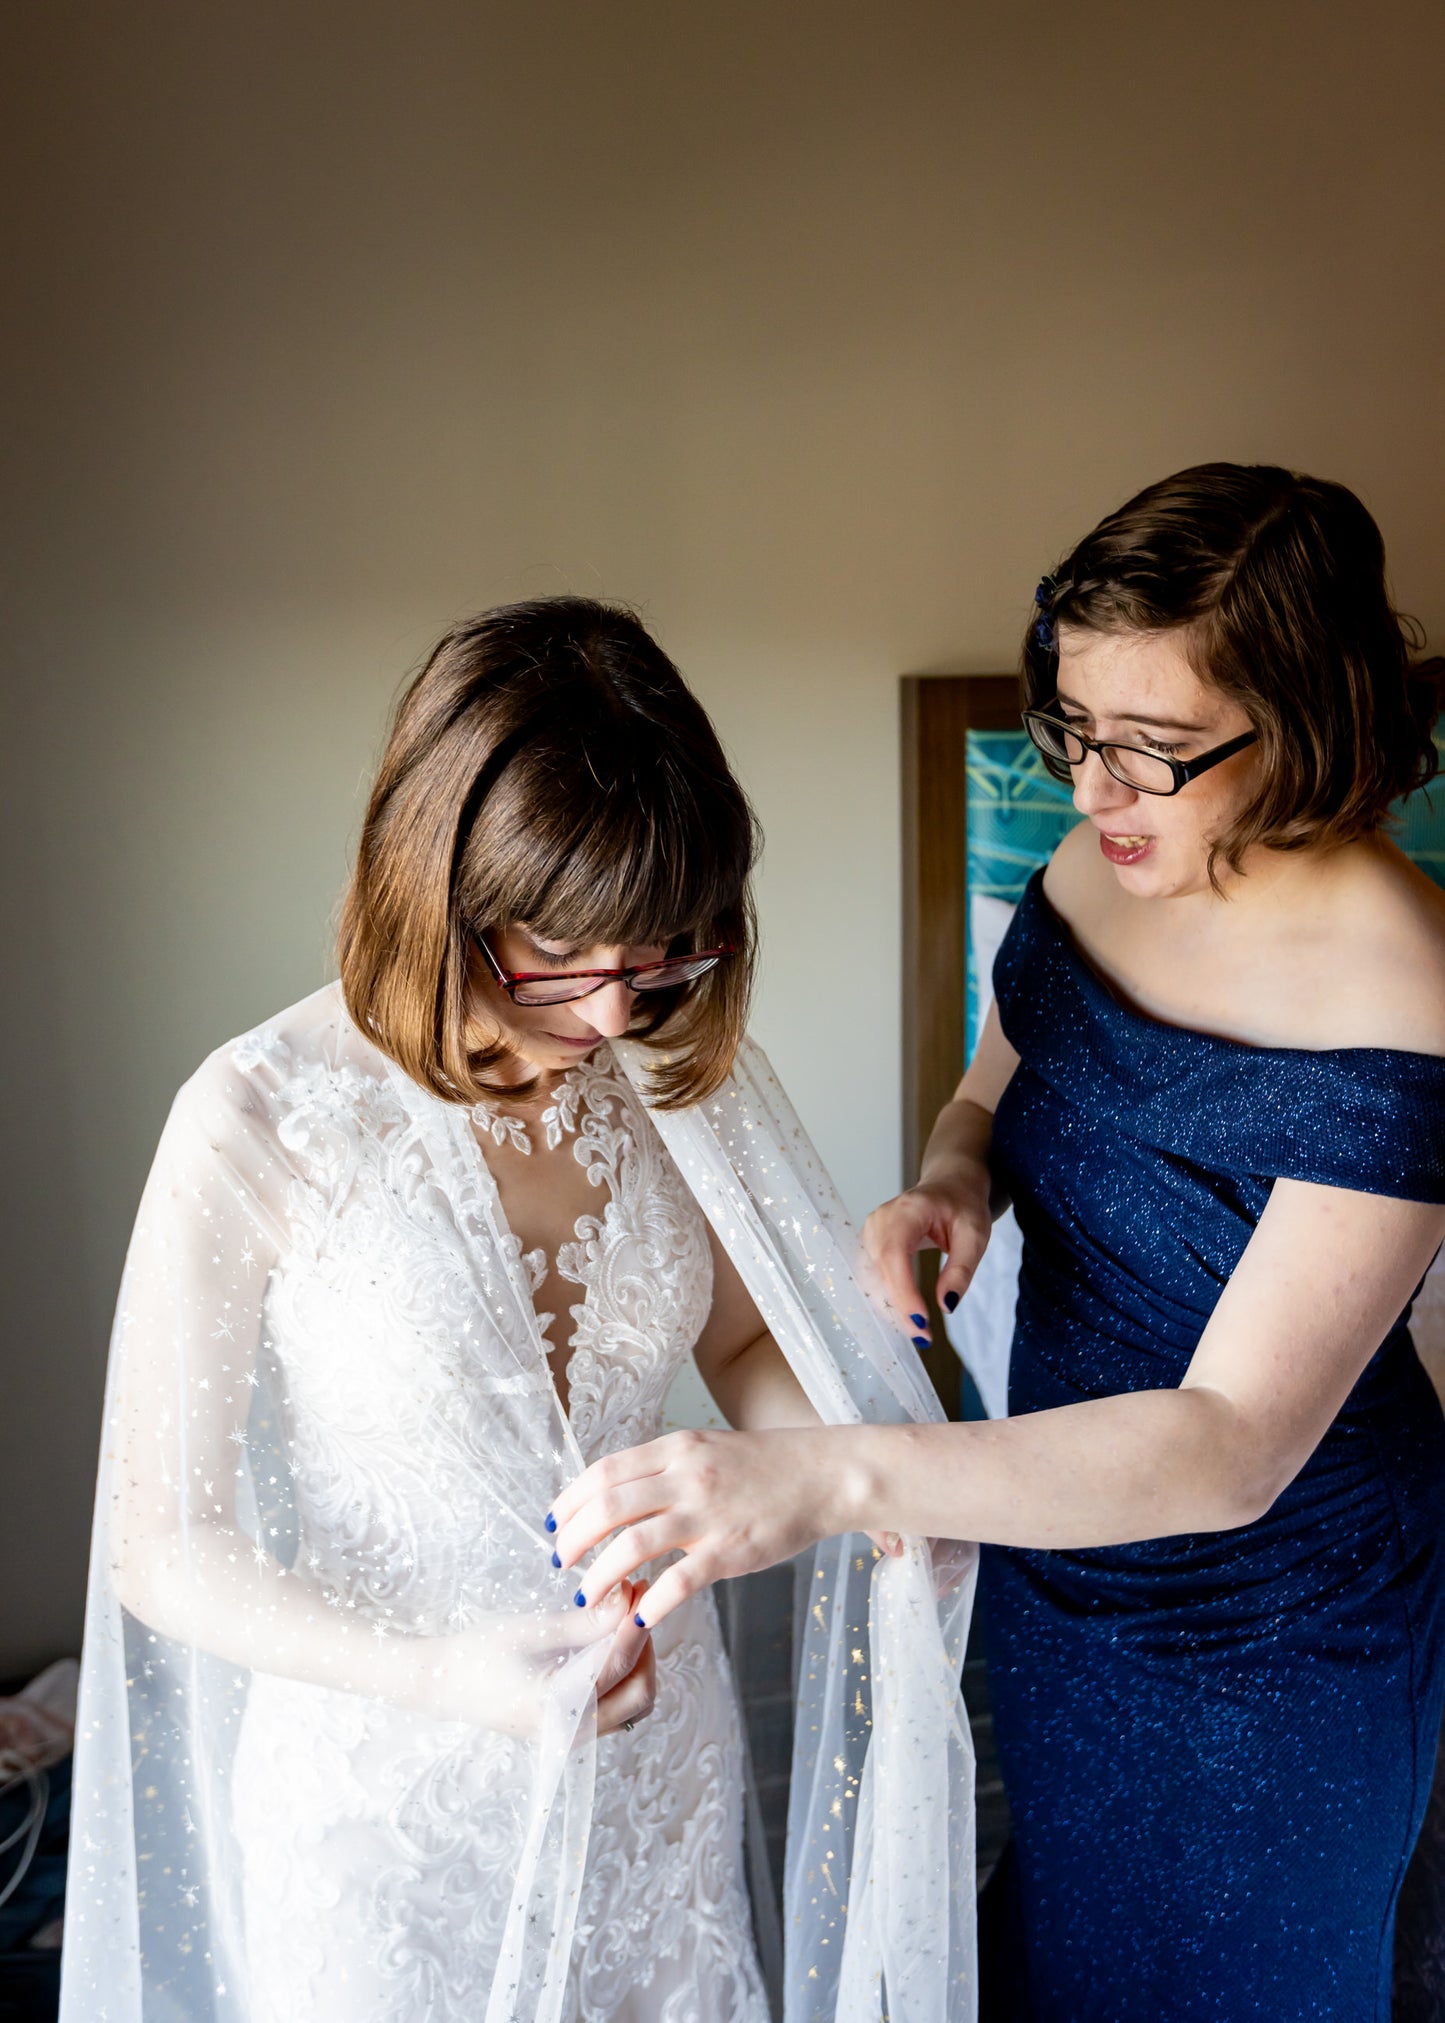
950	1301
549	1523
920	1342
555	1560
919	1320
580	1599
639	1622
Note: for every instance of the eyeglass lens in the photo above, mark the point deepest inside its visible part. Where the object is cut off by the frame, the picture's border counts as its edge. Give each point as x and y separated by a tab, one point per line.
1135	768
666	976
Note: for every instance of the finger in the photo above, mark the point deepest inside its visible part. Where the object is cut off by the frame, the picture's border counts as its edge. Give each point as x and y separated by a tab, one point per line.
900	1285
589	1625
897	1238
685	1578
955	1274
628	1641
609	1472
631	1700
604	1512
631	1549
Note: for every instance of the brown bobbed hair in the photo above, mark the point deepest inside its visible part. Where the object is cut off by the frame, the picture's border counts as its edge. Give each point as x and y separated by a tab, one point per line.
1278	581
548	766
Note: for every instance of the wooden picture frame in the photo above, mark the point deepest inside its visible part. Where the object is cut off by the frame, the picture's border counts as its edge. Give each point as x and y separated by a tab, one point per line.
937	711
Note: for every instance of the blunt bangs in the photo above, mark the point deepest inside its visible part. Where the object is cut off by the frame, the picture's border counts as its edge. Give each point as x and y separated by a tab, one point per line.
549	767
644	862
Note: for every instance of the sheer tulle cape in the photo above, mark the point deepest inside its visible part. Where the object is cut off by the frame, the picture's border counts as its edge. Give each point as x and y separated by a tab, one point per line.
247	1552
221	1576
879	1894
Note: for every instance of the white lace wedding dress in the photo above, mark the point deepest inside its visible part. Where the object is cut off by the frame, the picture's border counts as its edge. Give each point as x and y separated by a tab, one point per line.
331	1437
376	1848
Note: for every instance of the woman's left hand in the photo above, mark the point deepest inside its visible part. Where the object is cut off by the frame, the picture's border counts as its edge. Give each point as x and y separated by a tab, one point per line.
729	1502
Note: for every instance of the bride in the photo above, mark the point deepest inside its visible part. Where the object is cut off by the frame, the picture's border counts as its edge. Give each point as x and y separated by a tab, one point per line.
411	1255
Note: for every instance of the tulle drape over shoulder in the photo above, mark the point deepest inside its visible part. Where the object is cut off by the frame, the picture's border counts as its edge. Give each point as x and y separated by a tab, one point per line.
879	1899
300	1515
322	1593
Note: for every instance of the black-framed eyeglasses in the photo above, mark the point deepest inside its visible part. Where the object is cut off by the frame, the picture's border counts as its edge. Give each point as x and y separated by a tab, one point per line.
1063	747
549	986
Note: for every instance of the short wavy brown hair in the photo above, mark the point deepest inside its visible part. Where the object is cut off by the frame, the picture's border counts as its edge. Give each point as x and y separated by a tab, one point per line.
1278	582
550	766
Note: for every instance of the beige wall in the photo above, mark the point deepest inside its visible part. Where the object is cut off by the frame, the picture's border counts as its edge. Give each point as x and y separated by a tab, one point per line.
815	329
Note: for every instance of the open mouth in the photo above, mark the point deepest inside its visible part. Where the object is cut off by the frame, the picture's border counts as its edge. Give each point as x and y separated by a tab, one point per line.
1125	849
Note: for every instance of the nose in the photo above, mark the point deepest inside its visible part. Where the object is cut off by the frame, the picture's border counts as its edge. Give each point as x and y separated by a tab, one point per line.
1096	791
608	1011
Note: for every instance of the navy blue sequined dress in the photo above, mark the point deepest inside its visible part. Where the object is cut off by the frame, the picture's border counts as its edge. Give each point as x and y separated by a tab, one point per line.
1217	1748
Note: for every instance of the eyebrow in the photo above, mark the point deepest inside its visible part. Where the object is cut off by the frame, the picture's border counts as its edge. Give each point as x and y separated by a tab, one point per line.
1129	716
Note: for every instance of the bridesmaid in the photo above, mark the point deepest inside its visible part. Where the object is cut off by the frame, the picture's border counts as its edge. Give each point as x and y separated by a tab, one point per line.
1213	1087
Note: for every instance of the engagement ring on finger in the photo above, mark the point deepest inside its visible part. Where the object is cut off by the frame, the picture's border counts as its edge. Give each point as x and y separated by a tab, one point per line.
629	1726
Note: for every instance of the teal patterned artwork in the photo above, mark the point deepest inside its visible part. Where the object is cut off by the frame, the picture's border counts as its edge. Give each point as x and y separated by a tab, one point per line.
1017	814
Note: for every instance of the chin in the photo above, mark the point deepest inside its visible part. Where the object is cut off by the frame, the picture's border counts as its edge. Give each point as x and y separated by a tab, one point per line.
547	1055
1155	877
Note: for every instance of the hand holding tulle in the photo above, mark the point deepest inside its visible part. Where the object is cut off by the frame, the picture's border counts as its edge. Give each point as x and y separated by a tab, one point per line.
731	1503
493	1675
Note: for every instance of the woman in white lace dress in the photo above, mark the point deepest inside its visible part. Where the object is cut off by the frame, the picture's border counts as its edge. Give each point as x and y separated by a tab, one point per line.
411	1255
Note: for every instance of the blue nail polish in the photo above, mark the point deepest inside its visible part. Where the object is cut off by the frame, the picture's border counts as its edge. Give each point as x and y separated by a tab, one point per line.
950	1301
919	1320
555	1560
921	1342
549	1523
639	1622
580	1599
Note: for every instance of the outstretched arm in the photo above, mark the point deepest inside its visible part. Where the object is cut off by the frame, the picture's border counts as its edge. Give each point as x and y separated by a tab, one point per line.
1322	1280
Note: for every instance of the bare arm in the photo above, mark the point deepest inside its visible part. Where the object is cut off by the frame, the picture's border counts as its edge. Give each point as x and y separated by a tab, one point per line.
742	1366
1322	1280
210	1587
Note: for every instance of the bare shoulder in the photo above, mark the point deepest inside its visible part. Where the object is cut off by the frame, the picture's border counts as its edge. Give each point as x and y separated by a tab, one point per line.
1385	950
1073	883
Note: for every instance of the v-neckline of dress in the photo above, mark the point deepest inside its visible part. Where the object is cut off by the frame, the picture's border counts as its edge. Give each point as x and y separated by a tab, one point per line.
571	1118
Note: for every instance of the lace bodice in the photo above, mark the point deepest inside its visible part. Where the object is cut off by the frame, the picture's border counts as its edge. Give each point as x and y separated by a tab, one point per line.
394	1330
370	1329
335	1759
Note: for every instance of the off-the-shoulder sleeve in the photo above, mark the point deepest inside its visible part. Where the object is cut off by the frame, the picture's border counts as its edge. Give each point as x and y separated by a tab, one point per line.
1371	1118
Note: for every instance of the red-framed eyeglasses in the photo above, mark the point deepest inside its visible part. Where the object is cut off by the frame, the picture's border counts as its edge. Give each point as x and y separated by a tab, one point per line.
561	987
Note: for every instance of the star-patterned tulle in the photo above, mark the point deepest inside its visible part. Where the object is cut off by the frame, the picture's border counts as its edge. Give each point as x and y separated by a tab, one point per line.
332	1438
336	1758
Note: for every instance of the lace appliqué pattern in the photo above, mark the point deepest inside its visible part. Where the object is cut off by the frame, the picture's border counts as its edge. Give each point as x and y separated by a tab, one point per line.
558	1120
376	1847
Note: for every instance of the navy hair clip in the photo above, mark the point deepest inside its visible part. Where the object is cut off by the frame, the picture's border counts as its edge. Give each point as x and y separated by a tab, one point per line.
1043	624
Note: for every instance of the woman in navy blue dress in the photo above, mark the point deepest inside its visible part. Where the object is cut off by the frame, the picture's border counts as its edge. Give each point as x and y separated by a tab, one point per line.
1213	1086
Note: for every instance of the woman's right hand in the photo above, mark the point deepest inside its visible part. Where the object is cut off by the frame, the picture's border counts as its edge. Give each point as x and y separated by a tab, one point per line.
492	1676
934	1215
